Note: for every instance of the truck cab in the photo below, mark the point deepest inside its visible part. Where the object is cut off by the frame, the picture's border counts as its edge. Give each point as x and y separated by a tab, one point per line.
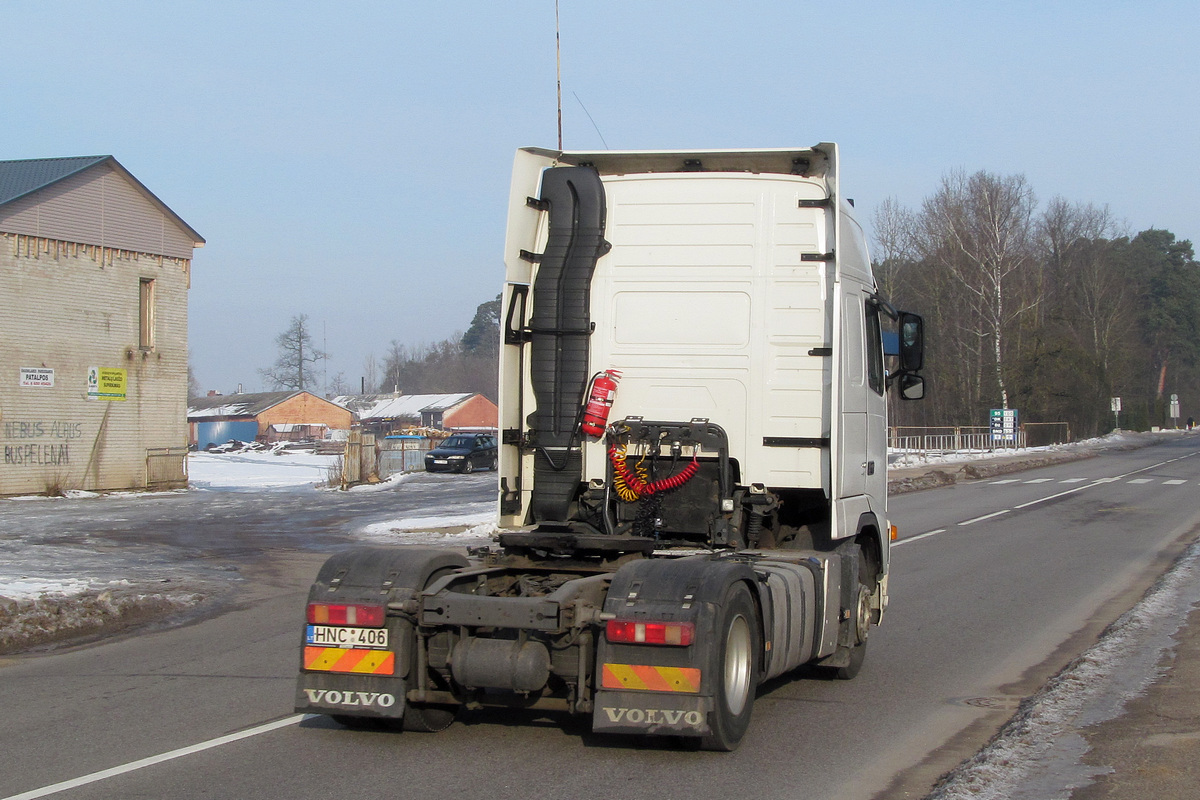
692	460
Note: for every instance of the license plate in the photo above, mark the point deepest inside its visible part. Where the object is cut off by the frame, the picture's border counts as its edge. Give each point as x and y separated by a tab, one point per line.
328	636
440	461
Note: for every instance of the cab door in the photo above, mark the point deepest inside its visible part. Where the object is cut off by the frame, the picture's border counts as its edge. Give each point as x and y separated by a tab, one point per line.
862	432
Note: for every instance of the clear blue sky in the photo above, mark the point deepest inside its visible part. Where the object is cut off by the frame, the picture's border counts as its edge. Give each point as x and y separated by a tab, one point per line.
350	160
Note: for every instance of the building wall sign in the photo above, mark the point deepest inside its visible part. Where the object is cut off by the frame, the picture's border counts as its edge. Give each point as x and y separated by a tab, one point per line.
37	376
106	383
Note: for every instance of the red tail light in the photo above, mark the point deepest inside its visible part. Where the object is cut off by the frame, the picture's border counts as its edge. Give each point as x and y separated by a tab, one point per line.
678	634
362	616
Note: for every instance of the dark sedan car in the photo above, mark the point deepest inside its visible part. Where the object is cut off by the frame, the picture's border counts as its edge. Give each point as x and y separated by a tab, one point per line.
463	452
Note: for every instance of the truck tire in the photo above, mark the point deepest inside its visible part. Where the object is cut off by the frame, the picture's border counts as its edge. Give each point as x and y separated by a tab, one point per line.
861	621
428	718
735	667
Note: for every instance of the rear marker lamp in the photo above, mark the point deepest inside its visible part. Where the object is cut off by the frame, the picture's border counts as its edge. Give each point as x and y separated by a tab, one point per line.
678	634
339	614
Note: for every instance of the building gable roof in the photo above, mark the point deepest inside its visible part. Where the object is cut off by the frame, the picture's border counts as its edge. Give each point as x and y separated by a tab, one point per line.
387	406
24	177
237	405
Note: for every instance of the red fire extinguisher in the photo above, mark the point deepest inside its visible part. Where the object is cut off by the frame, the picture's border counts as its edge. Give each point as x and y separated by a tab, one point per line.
600	400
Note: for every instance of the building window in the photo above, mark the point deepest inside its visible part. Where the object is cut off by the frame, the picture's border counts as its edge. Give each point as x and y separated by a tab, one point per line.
146	314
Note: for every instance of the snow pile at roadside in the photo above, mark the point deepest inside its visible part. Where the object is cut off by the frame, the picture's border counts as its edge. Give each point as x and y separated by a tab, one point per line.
1116	440
1037	755
54	616
471	527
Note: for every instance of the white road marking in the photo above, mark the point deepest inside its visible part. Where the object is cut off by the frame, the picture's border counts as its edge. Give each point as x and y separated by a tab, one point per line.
152	760
985	516
918	536
1175	482
1095	482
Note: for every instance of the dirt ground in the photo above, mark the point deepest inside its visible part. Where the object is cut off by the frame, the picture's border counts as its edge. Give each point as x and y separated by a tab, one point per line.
1153	750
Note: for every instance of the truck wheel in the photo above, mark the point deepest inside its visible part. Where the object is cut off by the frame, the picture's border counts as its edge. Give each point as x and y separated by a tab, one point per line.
858	653
735	667
428	718
861	621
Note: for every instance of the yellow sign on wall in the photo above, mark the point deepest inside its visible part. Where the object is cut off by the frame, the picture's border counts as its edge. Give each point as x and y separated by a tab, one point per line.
106	383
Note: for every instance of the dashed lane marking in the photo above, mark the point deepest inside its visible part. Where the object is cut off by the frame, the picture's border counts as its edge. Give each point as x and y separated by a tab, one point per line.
1064	493
985	516
925	535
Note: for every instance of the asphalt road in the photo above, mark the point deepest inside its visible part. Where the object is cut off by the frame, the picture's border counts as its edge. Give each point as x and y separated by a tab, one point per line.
996	584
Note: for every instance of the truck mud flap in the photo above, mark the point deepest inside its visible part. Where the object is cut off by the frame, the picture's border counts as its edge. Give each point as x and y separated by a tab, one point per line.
352	695
651	714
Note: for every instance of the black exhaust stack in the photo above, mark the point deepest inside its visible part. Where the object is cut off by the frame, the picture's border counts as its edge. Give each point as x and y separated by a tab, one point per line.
559	329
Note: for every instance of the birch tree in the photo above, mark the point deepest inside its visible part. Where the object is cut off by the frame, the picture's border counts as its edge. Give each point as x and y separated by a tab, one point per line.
294	368
979	229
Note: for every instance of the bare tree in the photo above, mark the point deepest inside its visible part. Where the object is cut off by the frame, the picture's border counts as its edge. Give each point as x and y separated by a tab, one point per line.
293	369
194	389
893	246
979	229
370	376
338	386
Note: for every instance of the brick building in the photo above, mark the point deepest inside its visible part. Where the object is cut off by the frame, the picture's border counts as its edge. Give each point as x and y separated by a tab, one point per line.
384	414
264	416
94	272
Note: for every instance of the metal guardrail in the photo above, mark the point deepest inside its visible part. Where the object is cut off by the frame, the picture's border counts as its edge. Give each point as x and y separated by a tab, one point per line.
926	442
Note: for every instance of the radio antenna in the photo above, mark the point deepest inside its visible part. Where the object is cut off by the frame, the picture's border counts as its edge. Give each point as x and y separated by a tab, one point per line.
558	73
594	125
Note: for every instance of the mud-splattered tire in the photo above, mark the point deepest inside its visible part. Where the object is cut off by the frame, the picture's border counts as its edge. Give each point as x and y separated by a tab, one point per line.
423	718
735	668
861	621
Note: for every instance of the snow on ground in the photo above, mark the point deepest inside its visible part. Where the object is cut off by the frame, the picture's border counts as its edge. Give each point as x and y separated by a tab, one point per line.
24	578
50	590
1038	753
258	470
459	529
898	459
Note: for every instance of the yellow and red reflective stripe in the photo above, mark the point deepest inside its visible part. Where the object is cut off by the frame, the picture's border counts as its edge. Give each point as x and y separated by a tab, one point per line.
338	659
652	679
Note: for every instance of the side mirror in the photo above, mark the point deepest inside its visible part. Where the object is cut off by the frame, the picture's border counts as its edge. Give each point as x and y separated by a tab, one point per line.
912	342
912	387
